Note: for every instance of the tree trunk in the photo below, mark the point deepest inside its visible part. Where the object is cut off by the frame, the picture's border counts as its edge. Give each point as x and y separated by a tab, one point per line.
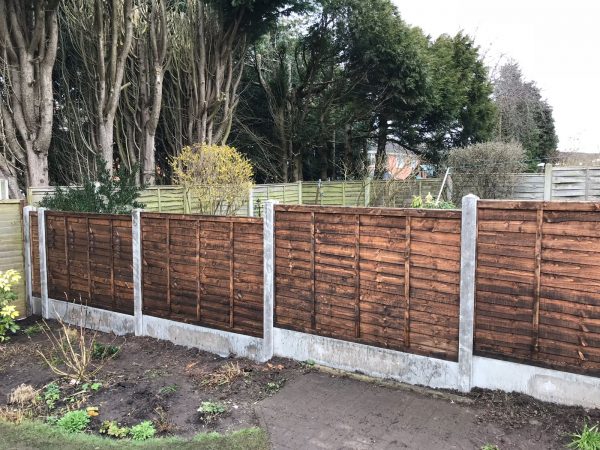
37	168
381	158
348	153
28	45
148	158
106	142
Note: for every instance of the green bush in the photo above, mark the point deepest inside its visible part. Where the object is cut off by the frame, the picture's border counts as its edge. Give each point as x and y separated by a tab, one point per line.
109	194
142	431
74	421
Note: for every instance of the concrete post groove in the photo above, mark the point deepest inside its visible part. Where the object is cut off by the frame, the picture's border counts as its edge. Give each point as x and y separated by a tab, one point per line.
28	269
43	263
468	255
136	242
268	277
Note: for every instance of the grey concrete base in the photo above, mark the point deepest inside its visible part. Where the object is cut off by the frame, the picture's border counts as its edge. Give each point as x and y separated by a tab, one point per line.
544	384
36	305
92	318
372	361
215	341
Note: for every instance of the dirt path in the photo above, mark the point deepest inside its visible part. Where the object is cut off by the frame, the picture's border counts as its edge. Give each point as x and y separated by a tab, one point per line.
300	407
321	411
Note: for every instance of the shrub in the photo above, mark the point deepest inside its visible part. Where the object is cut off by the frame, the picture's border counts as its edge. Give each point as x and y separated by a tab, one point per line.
109	194
142	431
71	352
487	169
74	421
430	203
8	312
219	178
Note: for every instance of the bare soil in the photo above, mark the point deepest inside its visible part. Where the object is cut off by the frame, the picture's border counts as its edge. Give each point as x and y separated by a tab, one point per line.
300	406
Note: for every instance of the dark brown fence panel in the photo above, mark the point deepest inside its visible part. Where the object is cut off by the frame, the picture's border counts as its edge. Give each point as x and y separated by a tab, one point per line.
538	284
35	254
383	277
90	259
204	270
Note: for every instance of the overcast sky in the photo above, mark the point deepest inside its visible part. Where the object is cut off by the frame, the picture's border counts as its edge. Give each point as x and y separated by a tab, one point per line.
556	43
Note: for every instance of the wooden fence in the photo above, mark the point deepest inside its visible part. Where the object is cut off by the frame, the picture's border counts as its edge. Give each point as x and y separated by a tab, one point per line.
11	249
204	270
173	199
384	277
538	283
89	259
378	276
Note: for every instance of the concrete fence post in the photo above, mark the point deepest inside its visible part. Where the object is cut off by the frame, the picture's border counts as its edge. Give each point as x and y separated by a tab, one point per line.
43	263
300	192
268	277
28	269
548	182
136	241
468	256
251	202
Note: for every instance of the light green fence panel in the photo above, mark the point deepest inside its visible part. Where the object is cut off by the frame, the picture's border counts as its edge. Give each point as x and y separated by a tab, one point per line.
11	245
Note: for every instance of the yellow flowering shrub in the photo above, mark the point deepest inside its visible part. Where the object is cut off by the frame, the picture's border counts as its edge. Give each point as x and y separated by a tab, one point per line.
8	312
217	177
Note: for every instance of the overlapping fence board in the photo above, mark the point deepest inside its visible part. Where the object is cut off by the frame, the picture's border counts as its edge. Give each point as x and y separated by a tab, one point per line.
11	250
538	283
204	270
90	259
384	277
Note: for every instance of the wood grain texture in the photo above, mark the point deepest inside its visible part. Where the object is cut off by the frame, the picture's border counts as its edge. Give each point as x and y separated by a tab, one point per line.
348	273
204	270
538	284
89	259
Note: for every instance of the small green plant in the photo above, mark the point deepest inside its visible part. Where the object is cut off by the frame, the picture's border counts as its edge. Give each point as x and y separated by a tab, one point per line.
274	386
113	429
168	390
102	351
430	203
94	387
74	421
34	329
309	364
209	410
142	431
8	312
490	447
587	439
51	395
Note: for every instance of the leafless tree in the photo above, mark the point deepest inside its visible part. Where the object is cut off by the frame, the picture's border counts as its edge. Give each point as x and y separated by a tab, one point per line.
140	106
207	64
28	43
101	32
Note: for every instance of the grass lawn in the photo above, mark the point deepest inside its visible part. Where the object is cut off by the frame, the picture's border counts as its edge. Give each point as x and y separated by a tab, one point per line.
37	435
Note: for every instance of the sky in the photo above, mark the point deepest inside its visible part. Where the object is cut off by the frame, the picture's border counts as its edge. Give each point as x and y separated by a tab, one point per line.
556	43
